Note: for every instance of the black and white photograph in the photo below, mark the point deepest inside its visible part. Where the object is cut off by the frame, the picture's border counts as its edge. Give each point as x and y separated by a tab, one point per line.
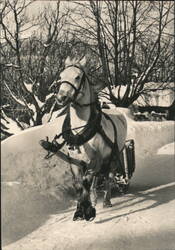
87	125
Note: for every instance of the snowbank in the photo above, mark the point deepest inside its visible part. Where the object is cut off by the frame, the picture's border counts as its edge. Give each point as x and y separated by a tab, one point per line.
168	149
23	162
149	136
29	138
23	158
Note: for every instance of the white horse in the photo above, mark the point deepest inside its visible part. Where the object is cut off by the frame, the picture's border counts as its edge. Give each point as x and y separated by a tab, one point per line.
91	134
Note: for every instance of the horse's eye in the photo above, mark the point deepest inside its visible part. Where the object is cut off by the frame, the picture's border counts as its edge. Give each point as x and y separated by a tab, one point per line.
77	78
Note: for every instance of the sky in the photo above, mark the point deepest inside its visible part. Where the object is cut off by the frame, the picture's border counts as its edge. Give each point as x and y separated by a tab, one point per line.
34	10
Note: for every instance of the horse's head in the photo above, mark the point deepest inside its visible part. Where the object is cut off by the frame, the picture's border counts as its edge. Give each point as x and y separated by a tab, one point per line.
73	83
72	80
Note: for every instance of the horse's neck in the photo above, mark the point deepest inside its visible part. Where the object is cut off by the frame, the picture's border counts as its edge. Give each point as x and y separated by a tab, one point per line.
80	114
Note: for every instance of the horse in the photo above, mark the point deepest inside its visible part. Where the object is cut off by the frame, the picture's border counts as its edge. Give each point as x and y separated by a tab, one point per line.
93	136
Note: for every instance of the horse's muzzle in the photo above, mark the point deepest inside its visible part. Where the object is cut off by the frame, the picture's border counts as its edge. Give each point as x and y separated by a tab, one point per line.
62	99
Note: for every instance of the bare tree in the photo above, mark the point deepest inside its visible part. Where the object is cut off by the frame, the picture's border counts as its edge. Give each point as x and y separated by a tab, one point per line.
130	36
30	65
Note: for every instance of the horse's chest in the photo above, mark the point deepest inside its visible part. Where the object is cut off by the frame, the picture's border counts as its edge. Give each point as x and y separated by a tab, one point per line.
94	148
82	153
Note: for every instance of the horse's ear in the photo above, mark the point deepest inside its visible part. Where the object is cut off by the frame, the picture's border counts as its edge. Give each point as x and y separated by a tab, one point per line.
68	61
83	62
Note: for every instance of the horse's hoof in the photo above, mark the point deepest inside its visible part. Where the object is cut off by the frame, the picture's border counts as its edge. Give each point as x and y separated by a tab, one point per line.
107	204
78	215
77	218
90	213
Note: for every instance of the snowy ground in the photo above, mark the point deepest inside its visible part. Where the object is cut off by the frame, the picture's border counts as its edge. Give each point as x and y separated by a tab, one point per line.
38	204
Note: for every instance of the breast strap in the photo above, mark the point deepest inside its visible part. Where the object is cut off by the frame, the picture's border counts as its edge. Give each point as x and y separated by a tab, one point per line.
87	133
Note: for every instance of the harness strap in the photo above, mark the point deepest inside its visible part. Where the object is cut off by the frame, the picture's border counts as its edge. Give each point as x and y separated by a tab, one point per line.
89	130
67	82
115	153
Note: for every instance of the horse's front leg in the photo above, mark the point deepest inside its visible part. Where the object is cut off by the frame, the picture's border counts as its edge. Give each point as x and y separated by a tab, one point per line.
93	167
89	206
81	192
90	182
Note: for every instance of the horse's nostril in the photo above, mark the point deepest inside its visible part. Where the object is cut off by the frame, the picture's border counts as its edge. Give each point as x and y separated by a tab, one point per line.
61	98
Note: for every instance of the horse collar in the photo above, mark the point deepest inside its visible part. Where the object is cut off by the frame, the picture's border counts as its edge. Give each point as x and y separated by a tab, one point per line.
88	131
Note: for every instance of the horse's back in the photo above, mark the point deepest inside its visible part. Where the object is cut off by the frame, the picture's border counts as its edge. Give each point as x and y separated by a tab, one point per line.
120	123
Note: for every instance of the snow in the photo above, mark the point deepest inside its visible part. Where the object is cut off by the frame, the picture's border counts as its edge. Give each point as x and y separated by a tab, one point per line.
38	203
168	149
10	124
30	138
164	95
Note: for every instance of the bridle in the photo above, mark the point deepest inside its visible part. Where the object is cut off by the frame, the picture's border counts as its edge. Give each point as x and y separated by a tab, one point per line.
90	129
58	84
94	121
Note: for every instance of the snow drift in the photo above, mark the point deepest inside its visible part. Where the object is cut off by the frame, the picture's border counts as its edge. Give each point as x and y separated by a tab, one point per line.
23	158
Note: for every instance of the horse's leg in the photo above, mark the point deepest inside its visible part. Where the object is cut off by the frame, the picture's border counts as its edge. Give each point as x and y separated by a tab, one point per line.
107	191
89	210
92	168
109	177
79	213
93	191
82	194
